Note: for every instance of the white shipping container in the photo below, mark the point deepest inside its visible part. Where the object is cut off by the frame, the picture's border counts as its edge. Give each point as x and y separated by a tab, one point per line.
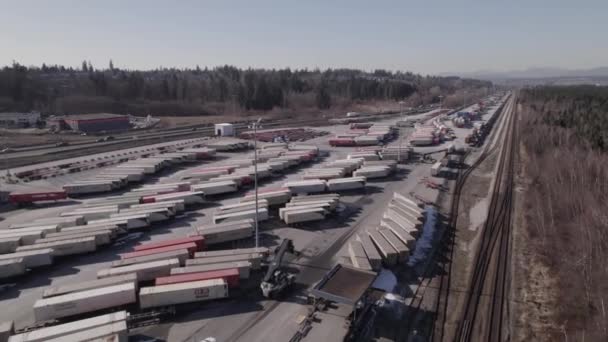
56	331
172	294
181	255
216	188
65	247
49	228
244	268
343	184
262	215
177	206
83	302
114	230
12	267
102	237
130	278
254	258
145	271
307	186
9	244
273	198
81	189
304	215
31	259
223	252
113	332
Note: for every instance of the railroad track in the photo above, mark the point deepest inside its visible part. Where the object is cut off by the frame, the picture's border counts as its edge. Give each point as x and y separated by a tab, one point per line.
486	296
447	244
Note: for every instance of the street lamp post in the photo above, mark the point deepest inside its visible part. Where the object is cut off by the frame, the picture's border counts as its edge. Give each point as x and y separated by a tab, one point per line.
401	103
255	126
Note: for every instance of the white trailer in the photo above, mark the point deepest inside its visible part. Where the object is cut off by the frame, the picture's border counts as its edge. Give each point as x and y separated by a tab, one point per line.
64	247
49	228
72	304
262	215
177	205
102	237
27	238
93	213
262	250
62	330
9	244
357	256
402	251
189	197
372	172
87	188
389	254
134	221
180	255
305	187
371	251
130	278
436	169
12	267
145	271
216	188
244	268
254	258
62	222
113	229
224	233
119	202
31	259
343	184
172	294
232	208
304	215
152	214
273	197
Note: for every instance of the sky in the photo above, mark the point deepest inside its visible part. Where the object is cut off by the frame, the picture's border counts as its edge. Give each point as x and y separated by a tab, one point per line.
427	37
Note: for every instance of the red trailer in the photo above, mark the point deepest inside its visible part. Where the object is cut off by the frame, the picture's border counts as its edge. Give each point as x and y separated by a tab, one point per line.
342	142
190	246
230	275
199	241
28	198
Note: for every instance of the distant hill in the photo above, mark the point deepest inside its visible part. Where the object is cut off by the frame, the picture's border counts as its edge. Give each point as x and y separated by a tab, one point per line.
532	73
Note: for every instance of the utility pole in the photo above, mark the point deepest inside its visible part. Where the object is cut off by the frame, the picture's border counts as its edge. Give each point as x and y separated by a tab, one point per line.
401	103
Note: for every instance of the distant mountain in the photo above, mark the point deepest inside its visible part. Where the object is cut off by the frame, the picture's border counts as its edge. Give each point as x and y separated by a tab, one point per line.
532	73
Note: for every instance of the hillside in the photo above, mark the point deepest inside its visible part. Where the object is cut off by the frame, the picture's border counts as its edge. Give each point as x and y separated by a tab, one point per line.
221	90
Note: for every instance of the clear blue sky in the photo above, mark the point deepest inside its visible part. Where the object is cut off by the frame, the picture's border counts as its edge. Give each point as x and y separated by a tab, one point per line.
420	36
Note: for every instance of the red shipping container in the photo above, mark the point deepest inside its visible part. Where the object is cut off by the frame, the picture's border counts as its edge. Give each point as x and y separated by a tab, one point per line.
199	241
17	198
190	246
230	275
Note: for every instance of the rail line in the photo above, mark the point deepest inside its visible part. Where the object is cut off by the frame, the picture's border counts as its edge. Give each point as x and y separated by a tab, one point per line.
448	242
491	269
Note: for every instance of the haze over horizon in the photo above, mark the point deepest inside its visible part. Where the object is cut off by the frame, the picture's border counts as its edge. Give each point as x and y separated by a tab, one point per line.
449	37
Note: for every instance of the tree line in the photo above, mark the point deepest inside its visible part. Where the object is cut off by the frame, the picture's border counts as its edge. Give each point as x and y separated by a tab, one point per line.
60	90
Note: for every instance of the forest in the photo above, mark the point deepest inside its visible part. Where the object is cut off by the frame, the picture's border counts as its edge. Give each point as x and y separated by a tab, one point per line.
203	91
564	173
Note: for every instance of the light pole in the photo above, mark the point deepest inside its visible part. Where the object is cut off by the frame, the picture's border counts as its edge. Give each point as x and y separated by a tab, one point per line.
440	102
401	103
255	126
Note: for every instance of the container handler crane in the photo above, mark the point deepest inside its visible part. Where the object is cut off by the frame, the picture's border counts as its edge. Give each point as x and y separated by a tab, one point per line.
277	279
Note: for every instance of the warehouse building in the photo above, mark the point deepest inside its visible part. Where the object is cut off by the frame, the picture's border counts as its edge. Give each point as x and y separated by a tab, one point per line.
94	123
19	119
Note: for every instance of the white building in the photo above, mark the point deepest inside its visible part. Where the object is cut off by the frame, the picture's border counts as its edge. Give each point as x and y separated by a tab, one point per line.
19	119
224	130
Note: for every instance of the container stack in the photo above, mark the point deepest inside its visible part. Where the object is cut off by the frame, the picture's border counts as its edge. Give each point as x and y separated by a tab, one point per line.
309	208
